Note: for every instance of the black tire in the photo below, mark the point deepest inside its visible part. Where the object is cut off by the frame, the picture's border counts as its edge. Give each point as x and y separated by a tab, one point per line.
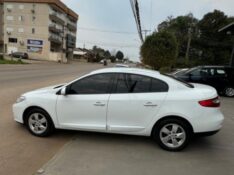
228	93
185	128
49	126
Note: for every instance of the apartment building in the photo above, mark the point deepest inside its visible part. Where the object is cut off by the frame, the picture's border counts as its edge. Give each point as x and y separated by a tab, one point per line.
45	29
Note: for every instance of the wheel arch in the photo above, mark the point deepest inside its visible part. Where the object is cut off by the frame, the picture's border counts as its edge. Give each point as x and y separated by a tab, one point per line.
171	117
27	110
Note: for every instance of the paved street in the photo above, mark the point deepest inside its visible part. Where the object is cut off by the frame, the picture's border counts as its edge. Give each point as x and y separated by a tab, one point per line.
21	153
98	154
72	152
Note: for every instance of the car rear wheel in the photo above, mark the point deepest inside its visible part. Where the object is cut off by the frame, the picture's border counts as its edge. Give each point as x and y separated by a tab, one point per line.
229	92
172	134
39	123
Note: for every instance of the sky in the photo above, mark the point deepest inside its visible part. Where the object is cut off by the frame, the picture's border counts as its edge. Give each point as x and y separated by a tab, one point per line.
110	23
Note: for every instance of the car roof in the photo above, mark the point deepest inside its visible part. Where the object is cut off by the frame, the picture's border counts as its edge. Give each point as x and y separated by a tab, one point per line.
126	70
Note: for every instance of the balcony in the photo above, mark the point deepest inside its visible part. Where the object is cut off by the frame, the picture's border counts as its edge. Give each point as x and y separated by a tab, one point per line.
71	41
72	19
56	8
55	39
54	29
55	17
71	27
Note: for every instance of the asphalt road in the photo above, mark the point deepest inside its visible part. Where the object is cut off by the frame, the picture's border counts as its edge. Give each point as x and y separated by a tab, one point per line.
94	153
101	154
21	153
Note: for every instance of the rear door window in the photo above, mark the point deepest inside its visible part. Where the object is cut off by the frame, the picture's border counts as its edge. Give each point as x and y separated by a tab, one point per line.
131	83
159	86
128	83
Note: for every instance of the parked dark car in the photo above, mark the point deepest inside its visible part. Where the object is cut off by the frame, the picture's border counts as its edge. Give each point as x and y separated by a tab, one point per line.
21	55
219	77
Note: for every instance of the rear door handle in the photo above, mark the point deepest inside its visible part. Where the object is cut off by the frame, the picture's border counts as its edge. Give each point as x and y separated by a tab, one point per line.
99	104
150	104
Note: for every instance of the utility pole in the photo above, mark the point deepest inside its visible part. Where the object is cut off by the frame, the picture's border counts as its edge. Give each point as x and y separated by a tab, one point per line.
188	45
145	32
232	57
62	50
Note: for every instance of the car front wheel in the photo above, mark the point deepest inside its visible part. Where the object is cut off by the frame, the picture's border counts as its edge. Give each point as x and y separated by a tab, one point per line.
39	123
172	134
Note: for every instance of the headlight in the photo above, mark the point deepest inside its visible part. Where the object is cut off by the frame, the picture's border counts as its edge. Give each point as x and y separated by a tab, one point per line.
21	99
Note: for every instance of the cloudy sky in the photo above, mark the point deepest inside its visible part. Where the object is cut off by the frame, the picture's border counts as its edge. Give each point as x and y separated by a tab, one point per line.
110	23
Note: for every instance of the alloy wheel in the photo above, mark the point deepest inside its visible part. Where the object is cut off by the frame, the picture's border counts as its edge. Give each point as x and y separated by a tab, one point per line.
37	123
172	135
229	92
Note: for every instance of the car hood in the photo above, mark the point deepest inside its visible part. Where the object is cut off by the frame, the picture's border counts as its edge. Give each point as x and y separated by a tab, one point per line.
205	90
50	89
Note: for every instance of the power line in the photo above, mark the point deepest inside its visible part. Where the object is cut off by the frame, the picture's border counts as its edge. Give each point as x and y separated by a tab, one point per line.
106	31
117	45
136	14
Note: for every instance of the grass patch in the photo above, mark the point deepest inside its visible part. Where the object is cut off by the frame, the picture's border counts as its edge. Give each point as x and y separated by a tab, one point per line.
2	61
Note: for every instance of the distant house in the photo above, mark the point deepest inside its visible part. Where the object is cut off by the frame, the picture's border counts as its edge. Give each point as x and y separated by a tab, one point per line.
79	53
229	30
86	54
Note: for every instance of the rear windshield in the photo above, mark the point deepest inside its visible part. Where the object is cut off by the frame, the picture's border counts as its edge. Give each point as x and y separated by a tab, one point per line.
180	81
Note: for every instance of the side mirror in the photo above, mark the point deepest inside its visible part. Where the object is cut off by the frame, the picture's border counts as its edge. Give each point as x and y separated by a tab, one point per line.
63	91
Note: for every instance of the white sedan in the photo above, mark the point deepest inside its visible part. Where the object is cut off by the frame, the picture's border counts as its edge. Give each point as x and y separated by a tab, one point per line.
125	101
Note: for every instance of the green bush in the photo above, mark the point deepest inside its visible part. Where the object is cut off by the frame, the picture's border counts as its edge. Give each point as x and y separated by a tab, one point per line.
159	50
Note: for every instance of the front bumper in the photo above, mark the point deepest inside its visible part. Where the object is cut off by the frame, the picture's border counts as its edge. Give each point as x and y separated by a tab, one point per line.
18	111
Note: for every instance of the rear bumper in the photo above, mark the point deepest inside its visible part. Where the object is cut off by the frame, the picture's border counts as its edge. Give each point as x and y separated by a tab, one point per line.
211	122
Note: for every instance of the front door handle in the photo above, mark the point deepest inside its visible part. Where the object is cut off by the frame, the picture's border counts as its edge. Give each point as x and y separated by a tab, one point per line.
99	104
150	104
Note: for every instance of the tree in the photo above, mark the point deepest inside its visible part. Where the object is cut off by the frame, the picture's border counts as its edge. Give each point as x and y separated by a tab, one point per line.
119	55
107	54
199	42
99	54
113	59
159	50
185	29
215	46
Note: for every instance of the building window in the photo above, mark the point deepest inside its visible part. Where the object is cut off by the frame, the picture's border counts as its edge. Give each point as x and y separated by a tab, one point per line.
33	30
10	18
9	29
21	7
34	18
13	40
20	30
9	7
21	18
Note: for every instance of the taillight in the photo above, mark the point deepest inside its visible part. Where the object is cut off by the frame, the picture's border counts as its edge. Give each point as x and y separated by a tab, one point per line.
213	103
